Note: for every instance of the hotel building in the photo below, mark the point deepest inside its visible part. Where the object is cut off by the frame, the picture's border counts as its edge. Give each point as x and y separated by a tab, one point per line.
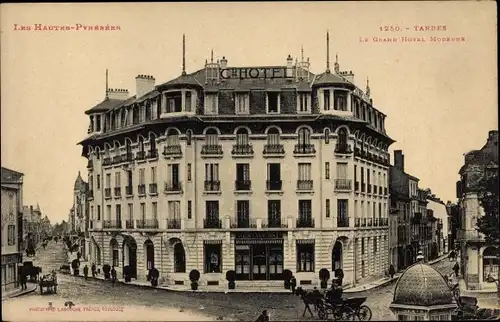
256	169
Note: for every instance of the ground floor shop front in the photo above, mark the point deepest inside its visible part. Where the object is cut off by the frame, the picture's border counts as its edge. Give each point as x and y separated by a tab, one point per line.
10	269
479	266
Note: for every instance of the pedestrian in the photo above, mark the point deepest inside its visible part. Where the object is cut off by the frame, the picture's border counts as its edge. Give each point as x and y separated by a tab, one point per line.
24	279
93	268
392	271
113	275
293	284
456	268
339	274
86	271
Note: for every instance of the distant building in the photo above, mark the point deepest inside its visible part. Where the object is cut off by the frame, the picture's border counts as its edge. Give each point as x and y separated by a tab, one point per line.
79	215
12	221
478	259
32	224
439	211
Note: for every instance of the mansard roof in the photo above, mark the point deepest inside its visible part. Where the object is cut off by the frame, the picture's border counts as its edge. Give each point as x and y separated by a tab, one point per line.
10	176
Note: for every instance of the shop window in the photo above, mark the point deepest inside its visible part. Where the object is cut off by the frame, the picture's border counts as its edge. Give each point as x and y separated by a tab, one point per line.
213	259
305	257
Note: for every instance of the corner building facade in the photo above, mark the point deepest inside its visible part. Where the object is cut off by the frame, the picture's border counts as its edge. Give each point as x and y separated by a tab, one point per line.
230	169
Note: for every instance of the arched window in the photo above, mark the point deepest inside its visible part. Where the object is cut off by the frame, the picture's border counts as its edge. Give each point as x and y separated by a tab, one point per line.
304	136
242	137
114	252
327	136
98	153
342	138
273	137
211	137
172	138
189	136
179	259
152	146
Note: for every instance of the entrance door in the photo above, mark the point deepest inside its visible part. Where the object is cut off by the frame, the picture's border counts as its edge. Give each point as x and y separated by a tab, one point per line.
132	253
259	271
276	262
242	263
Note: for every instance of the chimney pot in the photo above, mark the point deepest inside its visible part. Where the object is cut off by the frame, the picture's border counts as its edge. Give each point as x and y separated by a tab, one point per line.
143	85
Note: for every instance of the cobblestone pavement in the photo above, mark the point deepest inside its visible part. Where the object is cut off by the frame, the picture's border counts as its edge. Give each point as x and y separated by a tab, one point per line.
236	306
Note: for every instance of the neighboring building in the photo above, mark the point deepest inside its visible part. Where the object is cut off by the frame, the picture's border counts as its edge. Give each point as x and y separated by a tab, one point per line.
12	229
421	225
176	175
32	225
438	208
46	227
79	219
478	260
453	212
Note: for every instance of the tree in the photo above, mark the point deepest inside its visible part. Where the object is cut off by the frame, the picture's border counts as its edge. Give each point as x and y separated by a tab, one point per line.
489	223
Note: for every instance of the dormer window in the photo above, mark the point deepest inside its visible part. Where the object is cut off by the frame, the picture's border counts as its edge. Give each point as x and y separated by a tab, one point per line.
135	114
149	112
98	123
242	103
188	101
173	102
273	102
303	103
326	100
340	101
211	104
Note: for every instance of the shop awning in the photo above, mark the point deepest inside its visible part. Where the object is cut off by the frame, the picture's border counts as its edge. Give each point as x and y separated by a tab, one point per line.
305	241
257	241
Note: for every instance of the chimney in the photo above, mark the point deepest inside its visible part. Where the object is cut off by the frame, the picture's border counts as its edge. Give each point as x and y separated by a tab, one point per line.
349	76
223	62
289	66
117	94
399	160
493	136
31	209
143	85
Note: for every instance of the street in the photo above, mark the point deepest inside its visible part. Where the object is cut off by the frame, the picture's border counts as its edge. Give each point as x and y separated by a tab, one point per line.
234	306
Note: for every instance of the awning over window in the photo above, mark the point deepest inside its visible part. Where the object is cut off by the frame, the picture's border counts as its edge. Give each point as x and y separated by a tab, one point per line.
257	241
305	241
213	242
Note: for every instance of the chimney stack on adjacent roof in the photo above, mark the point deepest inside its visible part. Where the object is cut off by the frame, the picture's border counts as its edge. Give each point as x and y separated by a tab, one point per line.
117	94
348	75
143	85
399	160
289	66
223	62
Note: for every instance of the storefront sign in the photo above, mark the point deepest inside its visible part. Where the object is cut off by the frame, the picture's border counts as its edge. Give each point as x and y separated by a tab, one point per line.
259	235
10	259
253	73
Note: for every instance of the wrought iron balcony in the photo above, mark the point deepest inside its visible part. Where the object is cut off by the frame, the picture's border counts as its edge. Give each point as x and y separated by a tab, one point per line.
147	223
141	189
172	150
357	222
107	192
128	157
274	149
112	224
342	221
242	185
141	155
246	149
117	159
212	223
212	185
304	149
211	149
107	161
370	222
153	188
343	148
363	222
129	191
343	184
274	222
173	186
173	224
305	222
245	222
304	185
129	224
274	185
152	154
470	236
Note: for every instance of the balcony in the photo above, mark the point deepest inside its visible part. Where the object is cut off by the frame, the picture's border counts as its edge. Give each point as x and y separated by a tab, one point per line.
129	191
107	193
173	187
212	185
273	150
173	224
106	161
90	165
357	222
375	222
172	151
305	222
343	148
141	155
274	222
343	184
141	189
304	185
152	154
470	236
153	189
128	157
214	151
118	191
117	159
212	223
304	149
111	224
242	150
129	224
342	221
356	186
245	222
242	185
363	222
274	185
147	224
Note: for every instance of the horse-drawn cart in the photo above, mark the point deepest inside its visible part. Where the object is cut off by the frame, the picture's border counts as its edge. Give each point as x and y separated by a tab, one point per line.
49	282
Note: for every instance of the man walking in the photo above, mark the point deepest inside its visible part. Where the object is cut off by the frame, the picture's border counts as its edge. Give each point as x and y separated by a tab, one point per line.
86	271
113	275
456	268
94	270
24	278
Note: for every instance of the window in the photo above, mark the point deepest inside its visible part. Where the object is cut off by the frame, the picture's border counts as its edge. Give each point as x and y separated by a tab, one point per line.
11	233
211	137
273	136
213	258
342	138
108	211
242	172
242	137
189	135
305	213
362	245
117	179
274	213
171	105
303	102
327	136
172	138
212	210
211	172
375	244
343	212
141	176
174	210
304	171
304	136
130	212
274	176
326	100
188	102
342	171
108	180
155	210
327	206
242	103
98	212
273	101
153	174
91	212
190	214
118	214
243	213
340	101
173	176
143	211
211	104
305	257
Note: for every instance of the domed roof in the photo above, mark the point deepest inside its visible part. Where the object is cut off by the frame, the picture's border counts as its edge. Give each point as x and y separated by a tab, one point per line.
328	78
422	285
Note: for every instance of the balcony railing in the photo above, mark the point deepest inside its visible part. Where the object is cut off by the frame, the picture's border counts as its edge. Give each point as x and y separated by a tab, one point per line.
274	185
212	185
107	161
274	149
343	184
274	222
128	157
112	224
118	191
173	224
141	155
244	185
117	159
153	188
470	235
304	185
141	189
305	222
246	149
370	222
304	149
212	223
152	154
173	186
172	150
342	221
211	149
245	222
129	191
129	224
147	224
107	192
342	148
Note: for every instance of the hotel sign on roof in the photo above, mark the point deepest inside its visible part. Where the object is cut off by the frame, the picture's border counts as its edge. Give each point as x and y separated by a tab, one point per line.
254	73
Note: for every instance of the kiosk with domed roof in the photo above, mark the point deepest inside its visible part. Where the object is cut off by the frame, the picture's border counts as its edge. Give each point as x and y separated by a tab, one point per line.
422	294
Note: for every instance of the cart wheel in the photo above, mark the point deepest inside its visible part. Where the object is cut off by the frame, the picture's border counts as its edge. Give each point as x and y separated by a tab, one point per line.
322	314
347	314
364	313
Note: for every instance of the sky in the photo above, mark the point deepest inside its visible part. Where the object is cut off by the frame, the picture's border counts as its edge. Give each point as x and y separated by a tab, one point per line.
440	98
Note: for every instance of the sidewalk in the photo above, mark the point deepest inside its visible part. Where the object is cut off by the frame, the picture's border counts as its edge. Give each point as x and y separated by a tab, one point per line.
31	287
